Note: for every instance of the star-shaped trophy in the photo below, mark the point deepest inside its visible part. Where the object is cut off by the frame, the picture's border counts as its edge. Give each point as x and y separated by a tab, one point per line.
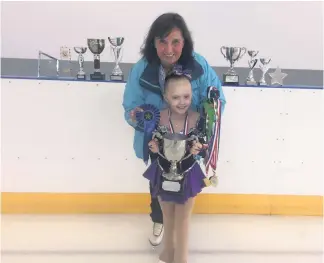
277	77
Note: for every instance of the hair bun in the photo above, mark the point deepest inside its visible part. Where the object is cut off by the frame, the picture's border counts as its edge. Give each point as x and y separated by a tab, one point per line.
177	70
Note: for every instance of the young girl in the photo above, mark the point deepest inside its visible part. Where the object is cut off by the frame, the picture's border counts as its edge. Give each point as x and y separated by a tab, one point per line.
176	207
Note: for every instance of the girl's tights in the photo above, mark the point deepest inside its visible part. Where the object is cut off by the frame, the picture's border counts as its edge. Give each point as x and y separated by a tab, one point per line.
176	219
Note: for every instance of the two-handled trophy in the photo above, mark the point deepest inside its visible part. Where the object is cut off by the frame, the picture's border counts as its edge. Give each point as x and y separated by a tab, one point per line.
116	46
252	63
96	46
80	50
174	150
264	67
232	54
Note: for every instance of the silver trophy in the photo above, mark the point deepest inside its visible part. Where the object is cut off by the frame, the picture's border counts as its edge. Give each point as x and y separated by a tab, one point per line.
174	149
80	50
264	67
96	46
116	46
232	54
252	62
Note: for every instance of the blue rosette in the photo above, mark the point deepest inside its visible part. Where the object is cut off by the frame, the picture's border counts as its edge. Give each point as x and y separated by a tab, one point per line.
147	121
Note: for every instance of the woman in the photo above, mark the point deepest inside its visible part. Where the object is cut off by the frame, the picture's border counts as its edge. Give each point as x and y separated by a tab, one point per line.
168	43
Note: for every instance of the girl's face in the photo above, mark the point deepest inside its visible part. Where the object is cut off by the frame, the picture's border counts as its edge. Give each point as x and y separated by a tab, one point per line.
178	95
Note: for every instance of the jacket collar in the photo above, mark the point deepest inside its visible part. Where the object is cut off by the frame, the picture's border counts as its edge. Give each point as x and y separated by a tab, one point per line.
150	76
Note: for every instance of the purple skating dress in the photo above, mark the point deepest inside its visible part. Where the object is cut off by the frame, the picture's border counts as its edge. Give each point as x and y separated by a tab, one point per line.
193	181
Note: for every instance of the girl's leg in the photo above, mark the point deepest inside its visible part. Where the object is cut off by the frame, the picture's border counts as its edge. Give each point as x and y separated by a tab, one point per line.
182	219
168	222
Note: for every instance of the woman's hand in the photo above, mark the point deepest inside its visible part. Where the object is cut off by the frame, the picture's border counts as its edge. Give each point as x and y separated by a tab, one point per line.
196	148
153	146
133	113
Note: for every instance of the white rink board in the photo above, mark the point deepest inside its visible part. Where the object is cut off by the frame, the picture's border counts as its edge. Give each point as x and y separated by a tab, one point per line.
61	136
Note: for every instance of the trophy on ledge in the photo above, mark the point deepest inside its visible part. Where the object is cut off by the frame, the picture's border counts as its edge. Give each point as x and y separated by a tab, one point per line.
80	50
65	57
252	62
96	46
264	67
116	45
232	54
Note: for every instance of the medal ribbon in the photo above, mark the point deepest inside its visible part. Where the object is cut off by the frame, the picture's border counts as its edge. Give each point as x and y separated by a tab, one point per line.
185	131
214	149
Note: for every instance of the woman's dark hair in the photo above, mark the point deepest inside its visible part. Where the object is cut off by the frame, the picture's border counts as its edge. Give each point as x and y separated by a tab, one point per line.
161	28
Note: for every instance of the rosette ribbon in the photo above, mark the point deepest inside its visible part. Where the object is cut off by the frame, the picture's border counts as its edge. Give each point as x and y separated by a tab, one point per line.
147	121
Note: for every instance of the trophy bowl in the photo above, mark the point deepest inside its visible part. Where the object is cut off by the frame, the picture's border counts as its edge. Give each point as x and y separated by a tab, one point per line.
96	46
80	50
174	146
116	41
252	53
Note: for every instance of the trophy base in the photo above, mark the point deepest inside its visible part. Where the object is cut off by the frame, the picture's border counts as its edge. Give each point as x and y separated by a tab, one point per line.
175	187
251	83
117	77
81	77
230	80
262	84
97	76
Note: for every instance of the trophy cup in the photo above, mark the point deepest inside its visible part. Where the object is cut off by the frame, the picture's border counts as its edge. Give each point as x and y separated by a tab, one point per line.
232	54
96	46
264	67
116	45
252	62
80	50
174	149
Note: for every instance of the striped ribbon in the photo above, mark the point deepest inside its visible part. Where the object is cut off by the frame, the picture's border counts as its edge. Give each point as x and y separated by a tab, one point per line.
214	149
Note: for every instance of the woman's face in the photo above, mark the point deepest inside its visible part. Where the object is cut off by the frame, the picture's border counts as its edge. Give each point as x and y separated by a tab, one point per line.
169	49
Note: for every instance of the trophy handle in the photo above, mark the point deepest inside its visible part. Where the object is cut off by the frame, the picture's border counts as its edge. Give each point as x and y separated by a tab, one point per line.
243	52
221	50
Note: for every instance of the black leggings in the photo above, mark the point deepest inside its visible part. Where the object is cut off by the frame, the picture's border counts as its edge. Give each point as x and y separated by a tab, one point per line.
156	211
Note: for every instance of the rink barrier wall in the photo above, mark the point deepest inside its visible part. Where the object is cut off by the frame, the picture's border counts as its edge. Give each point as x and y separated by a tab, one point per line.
139	203
56	136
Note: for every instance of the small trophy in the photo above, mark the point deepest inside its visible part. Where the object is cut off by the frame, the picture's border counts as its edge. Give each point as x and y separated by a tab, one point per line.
80	50
277	77
116	45
264	67
96	46
232	54
65	55
252	62
48	66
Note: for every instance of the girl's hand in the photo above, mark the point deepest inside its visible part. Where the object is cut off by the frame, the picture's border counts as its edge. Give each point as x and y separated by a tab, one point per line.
196	148
153	146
